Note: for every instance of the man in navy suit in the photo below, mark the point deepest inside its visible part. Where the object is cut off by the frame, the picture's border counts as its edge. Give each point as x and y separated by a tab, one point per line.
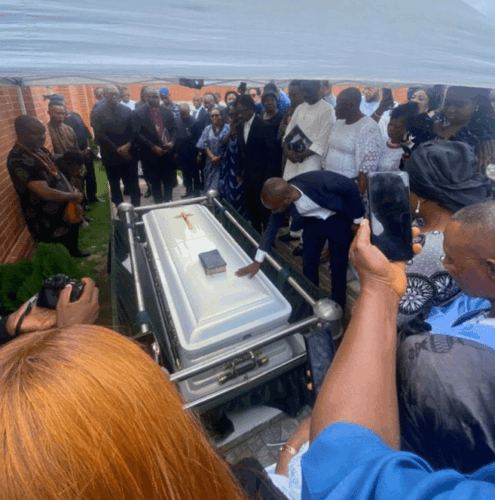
324	205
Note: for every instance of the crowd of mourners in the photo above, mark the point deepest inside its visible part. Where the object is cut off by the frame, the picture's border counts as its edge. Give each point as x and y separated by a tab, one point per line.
406	409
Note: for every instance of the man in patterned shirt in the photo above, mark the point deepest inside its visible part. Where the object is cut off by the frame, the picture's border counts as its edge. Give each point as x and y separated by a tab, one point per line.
44	192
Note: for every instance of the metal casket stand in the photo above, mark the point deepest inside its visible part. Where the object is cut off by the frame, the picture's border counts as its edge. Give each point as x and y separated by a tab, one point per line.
219	337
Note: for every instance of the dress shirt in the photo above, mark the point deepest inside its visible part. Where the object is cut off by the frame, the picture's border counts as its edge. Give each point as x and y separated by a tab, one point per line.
131	104
306	208
247	128
196	111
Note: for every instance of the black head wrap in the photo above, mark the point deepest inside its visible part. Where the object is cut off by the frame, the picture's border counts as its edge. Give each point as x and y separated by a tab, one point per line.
447	172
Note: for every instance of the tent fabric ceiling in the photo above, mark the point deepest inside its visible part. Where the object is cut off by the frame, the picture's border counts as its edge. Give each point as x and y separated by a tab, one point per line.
394	42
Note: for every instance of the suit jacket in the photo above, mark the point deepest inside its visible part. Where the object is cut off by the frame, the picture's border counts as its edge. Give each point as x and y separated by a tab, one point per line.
258	159
328	190
145	133
202	121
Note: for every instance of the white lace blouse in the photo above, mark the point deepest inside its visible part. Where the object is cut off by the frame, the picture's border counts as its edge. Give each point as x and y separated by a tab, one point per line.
353	148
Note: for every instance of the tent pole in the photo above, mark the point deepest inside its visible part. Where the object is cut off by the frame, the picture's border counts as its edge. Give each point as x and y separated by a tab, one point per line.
21	98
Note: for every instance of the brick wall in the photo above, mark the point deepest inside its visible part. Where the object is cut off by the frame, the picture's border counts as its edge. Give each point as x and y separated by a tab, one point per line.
15	241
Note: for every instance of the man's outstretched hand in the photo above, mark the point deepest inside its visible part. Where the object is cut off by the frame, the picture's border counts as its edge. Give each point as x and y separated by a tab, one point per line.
250	270
374	269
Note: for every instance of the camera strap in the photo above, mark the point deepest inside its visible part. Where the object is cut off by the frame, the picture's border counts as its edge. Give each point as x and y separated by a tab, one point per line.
30	305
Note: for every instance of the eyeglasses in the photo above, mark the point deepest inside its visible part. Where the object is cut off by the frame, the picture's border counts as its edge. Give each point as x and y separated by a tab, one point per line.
253	95
215	116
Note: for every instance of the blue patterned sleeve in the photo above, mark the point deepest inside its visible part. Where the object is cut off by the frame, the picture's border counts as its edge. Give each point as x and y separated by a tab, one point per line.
204	140
347	461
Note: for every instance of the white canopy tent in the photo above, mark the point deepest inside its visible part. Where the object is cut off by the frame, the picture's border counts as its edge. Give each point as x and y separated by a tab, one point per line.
387	42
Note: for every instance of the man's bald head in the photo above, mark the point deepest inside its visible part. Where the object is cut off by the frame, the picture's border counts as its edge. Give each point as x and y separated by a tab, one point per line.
184	110
277	194
209	101
469	246
351	95
481	215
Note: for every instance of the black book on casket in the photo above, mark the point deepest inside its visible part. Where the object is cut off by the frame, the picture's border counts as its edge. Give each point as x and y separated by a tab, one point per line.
212	262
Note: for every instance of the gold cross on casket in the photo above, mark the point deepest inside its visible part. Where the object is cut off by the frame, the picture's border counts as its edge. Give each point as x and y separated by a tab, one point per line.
185	216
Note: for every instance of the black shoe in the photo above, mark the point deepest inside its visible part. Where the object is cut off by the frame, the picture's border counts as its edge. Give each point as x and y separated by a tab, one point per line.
285	238
298	251
80	254
94	200
88	219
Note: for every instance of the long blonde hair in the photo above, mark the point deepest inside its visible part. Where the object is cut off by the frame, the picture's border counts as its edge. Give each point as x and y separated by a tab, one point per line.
85	414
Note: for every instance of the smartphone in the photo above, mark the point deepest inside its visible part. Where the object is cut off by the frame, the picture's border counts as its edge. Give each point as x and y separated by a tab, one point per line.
242	88
321	350
390	214
387	94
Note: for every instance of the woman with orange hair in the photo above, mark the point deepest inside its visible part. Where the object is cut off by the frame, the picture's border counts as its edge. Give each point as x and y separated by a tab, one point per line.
85	414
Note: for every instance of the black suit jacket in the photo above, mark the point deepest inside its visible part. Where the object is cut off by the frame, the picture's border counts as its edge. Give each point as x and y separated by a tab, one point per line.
328	190
145	133
202	121
258	160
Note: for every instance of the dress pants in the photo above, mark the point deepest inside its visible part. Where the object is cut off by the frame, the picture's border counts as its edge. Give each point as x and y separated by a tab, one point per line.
337	230
258	214
91	186
70	240
127	171
190	172
161	174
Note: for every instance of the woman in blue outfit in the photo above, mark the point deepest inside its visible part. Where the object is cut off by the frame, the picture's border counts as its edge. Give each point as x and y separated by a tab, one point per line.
210	142
228	186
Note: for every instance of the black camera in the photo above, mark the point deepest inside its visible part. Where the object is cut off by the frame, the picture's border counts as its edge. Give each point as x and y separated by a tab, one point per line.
49	294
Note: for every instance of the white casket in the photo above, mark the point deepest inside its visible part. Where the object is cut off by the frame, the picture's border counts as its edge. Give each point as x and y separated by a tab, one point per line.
213	313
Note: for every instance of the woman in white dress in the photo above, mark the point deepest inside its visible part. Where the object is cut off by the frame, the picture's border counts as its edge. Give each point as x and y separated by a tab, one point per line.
355	144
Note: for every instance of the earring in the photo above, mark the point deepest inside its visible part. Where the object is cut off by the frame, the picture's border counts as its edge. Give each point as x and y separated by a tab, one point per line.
417	208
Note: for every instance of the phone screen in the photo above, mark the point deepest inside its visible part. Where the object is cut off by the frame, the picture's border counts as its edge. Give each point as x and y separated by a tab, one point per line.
387	94
390	214
321	349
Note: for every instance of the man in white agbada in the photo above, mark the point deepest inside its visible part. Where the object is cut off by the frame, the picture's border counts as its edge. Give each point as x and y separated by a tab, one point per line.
315	118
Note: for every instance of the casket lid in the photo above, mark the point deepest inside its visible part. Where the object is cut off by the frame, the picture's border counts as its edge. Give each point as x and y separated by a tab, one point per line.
209	311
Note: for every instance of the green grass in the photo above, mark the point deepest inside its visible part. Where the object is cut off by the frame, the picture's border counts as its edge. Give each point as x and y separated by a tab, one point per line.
95	237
